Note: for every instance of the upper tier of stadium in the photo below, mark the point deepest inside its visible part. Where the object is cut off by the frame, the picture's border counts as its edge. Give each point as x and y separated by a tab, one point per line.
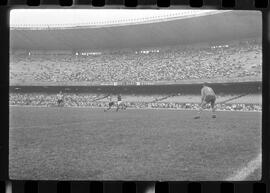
95	30
97	19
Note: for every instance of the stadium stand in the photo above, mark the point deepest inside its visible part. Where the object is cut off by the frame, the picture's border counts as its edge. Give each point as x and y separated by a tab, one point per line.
172	63
87	100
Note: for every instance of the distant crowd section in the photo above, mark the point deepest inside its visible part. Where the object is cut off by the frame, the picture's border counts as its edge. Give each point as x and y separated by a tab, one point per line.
174	63
89	100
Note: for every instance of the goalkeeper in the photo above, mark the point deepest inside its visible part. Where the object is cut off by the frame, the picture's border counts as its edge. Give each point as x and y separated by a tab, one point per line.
208	96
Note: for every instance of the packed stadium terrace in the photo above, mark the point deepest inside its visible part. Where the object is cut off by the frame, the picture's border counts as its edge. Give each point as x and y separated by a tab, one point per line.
88	100
174	63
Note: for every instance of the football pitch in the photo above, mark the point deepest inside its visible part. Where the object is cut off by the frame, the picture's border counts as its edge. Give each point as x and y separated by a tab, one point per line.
135	144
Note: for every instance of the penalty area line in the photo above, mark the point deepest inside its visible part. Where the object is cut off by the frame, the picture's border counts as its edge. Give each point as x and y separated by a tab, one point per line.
246	171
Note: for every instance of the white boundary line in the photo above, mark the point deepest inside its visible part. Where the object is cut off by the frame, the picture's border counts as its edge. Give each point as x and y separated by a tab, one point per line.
50	126
246	171
131	108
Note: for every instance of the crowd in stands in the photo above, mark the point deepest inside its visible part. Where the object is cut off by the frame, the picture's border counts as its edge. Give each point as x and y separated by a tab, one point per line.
88	100
172	63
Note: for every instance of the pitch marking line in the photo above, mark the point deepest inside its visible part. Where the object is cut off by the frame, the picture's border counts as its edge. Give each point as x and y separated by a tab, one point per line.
50	126
244	172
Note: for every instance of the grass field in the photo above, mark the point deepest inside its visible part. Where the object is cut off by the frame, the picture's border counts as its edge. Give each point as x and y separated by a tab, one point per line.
136	144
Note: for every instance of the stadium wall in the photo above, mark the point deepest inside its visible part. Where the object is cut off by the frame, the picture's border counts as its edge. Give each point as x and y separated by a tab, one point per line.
184	89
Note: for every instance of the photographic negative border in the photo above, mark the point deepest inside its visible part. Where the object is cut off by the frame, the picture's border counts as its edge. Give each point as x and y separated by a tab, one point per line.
106	187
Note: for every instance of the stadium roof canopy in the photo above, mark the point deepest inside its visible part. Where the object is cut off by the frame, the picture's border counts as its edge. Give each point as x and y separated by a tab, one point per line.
116	29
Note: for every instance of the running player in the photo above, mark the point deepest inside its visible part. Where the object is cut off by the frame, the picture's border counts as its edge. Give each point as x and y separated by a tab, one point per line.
60	99
111	103
208	96
120	103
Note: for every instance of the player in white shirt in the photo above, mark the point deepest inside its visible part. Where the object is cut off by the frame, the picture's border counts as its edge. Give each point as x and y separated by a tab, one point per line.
111	103
60	99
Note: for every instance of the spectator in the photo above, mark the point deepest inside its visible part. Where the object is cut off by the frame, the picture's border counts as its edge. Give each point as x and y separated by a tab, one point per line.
87	100
172	63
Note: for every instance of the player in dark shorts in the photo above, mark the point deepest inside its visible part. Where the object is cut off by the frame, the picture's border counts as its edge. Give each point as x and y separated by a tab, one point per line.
60	99
208	96
120	103
111	103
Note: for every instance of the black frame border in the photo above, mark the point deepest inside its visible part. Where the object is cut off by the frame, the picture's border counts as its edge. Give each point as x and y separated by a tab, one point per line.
128	186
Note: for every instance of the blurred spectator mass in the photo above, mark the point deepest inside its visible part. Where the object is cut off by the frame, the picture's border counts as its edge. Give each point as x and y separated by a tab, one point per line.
170	63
